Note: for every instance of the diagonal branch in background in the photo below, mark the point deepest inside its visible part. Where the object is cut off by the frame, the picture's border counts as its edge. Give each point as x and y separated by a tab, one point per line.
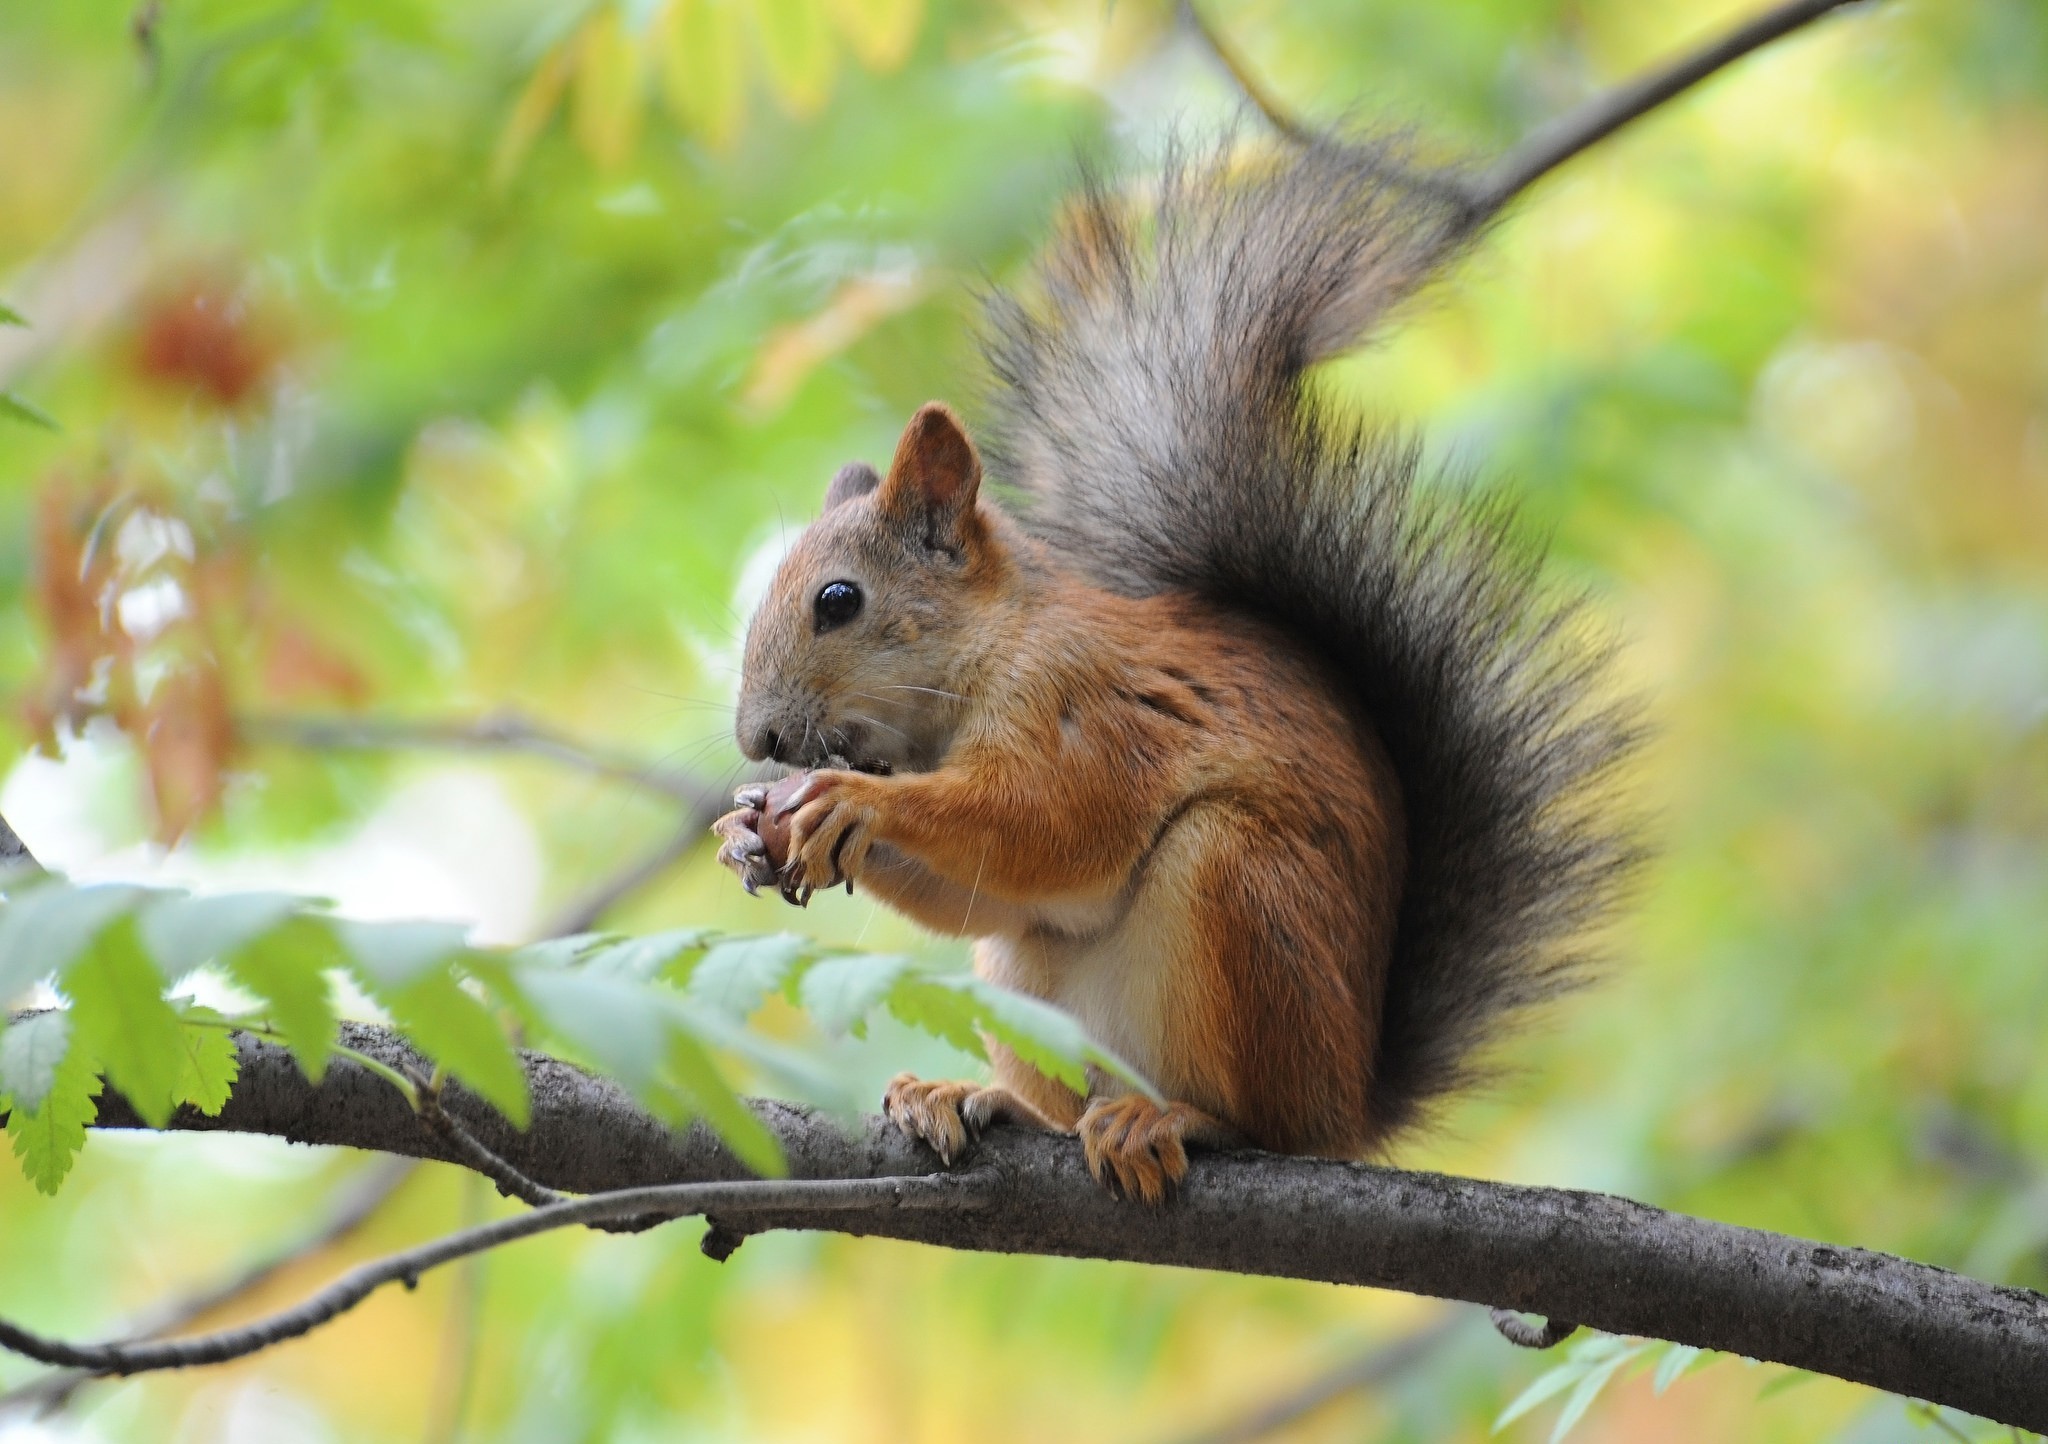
1368	1371
354	1204
1549	146
499	732
1614	1264
809	1196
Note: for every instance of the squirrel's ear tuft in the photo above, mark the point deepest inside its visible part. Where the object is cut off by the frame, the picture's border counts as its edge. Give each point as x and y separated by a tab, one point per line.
936	473
854	479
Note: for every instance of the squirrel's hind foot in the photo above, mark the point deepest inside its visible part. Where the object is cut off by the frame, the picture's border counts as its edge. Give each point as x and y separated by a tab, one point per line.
1137	1149
951	1115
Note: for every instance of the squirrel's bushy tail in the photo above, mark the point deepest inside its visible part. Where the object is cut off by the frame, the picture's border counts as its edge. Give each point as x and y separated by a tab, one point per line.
1153	413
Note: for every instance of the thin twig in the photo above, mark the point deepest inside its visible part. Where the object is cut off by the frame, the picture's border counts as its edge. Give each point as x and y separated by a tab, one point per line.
952	1192
585	912
1262	99
1368	1371
472	1154
500	732
1550	146
353	1205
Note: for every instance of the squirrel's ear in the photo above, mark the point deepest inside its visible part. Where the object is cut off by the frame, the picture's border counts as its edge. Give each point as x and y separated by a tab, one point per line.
936	472
856	478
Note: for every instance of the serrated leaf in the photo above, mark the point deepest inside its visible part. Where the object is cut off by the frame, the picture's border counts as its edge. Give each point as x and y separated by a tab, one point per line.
47	1139
947	1013
606	1019
838	993
31	1050
287	969
183	933
16	409
1677	1359
713	1099
557	952
119	1011
11	317
736	976
1048	1038
209	1063
642	959
392	957
463	1036
44	929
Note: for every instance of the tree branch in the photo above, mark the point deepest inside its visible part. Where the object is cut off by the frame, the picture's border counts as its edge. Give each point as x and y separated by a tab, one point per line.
1368	1371
1549	146
1610	1263
13	851
356	1202
805	1196
499	732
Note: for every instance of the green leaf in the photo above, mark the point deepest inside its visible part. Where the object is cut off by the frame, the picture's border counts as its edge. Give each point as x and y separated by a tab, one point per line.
1677	1359
183	933
944	1011
463	1036
391	957
558	952
119	1009
11	317
1044	1036
43	929
607	1020
1551	1381
47	1139
287	968
1790	1379
31	1050
16	409
736	976
644	958
712	1097
209	1063
839	993
1589	1389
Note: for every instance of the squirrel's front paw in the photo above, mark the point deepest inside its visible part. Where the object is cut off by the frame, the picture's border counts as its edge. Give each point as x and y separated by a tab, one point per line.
740	846
1136	1148
831	827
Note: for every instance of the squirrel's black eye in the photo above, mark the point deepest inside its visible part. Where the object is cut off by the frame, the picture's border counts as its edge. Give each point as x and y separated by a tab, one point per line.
838	603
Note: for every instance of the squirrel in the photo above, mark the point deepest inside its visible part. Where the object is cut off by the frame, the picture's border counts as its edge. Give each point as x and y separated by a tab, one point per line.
1221	728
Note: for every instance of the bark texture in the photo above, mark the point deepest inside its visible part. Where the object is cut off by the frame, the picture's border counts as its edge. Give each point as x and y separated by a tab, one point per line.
1607	1262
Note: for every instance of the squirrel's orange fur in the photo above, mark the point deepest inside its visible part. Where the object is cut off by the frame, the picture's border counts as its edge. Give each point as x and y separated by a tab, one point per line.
1155	814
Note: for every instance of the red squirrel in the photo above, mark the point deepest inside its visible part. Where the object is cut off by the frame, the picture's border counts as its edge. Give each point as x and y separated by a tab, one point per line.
1224	729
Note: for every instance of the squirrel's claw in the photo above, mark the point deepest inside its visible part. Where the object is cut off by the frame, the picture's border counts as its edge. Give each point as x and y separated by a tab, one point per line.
1135	1148
831	827
933	1112
741	849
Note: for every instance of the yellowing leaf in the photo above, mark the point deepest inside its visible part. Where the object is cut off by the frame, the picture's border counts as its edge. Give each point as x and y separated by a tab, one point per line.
703	72
796	44
531	112
791	353
880	32
605	112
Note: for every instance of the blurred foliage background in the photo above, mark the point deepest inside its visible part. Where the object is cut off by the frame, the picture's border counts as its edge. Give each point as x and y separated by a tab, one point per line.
432	359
